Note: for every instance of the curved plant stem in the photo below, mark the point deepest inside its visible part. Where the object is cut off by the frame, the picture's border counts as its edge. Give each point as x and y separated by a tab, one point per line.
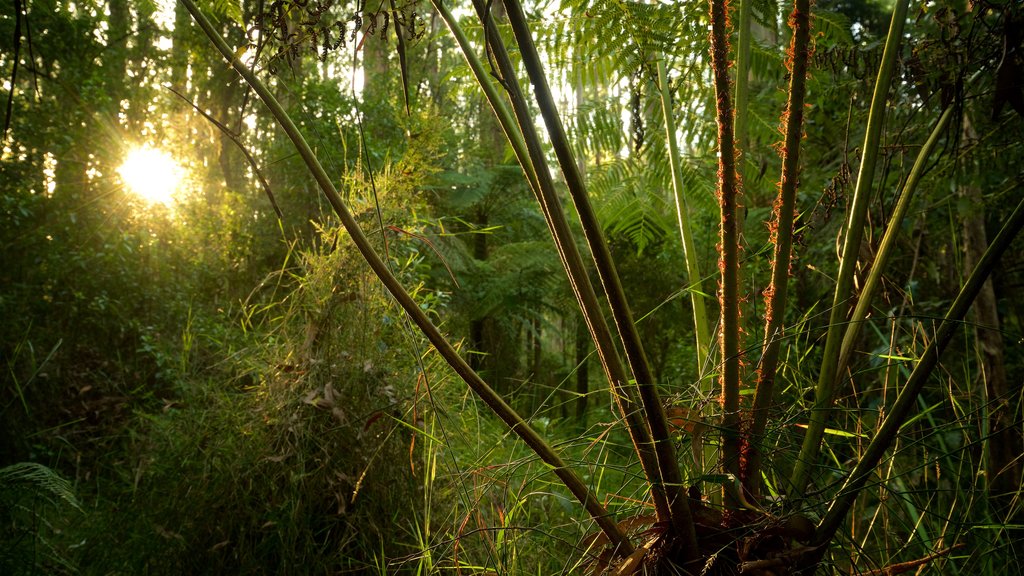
702	333
505	119
728	191
668	466
907	398
851	246
782	238
494	401
889	241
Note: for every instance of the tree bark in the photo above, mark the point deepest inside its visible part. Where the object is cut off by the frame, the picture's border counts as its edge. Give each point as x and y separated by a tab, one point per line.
1005	439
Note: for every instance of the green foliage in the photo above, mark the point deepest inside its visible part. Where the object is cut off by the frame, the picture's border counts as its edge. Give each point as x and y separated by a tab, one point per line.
30	493
35	478
232	393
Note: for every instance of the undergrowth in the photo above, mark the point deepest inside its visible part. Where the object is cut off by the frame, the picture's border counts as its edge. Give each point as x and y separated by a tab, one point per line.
285	455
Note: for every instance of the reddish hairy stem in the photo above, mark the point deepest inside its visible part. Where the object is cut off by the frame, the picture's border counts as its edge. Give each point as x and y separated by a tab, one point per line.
728	191
782	238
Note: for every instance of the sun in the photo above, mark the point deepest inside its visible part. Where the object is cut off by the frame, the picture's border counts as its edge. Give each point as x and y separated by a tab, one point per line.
151	174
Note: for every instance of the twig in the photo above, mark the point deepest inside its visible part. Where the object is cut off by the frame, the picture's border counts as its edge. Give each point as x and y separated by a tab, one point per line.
902	567
234	138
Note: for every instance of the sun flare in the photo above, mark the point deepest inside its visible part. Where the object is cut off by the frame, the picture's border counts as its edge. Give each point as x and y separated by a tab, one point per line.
151	174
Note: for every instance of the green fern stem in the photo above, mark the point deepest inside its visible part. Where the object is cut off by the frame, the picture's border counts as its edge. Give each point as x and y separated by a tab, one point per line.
851	246
907	399
782	238
493	400
700	315
728	264
874	278
576	272
668	467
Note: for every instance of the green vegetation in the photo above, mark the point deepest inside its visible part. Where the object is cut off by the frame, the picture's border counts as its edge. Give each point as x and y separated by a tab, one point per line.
494	288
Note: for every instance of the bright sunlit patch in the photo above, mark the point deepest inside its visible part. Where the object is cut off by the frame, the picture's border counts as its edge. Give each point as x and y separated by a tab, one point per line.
152	175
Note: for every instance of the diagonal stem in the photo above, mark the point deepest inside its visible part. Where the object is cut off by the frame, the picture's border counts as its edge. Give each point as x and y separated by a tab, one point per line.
907	398
854	231
667	466
874	278
493	400
576	272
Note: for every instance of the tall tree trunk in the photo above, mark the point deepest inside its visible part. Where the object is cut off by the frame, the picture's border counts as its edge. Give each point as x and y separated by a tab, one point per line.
119	23
1005	438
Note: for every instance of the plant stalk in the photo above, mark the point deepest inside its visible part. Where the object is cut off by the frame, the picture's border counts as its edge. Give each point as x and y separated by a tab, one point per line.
700	315
874	278
515	422
907	398
654	411
728	264
851	247
782	238
576	272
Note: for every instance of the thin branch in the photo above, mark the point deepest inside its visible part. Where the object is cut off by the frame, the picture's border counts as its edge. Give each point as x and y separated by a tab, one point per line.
234	138
902	567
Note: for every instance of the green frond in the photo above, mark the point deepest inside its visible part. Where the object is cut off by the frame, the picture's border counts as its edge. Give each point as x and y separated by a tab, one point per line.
628	209
598	128
30	477
231	9
766	13
832	27
767	62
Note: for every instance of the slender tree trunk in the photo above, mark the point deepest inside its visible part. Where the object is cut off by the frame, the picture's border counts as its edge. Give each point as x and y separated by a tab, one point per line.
1005	438
119	23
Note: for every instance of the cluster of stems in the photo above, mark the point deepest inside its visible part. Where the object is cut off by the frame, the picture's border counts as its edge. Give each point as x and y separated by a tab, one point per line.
631	381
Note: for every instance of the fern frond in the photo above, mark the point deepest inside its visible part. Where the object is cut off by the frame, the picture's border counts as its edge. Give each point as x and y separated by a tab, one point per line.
30	477
832	27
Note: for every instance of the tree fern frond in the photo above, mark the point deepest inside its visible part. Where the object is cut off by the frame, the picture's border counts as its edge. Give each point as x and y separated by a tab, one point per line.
766	13
231	9
30	477
833	27
767	62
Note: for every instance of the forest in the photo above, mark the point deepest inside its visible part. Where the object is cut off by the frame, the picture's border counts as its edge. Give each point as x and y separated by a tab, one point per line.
507	287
